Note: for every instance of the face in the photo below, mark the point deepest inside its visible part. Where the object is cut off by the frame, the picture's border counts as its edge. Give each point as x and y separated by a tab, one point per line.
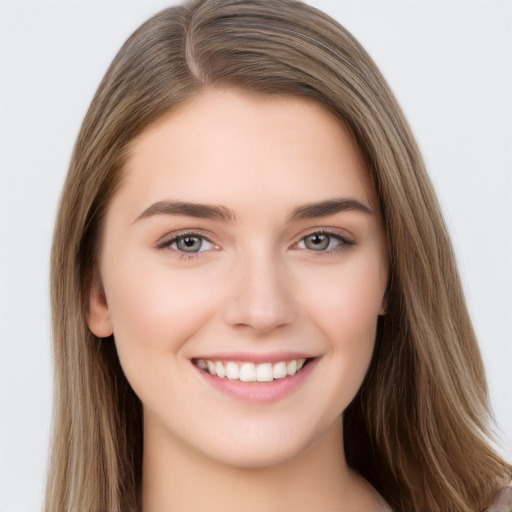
242	272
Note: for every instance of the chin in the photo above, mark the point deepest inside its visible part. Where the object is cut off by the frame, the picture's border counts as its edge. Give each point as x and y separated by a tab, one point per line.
255	457
263	447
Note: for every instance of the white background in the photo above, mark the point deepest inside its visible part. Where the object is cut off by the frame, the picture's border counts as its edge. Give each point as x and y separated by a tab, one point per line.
450	64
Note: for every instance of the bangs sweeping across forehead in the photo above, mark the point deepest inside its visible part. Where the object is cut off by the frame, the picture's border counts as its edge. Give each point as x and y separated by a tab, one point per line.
418	428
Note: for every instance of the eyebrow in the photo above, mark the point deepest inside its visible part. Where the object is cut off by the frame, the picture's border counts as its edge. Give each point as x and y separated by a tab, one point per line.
328	207
217	212
199	210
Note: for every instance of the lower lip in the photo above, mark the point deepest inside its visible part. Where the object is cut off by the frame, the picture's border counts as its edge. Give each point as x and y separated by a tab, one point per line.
259	392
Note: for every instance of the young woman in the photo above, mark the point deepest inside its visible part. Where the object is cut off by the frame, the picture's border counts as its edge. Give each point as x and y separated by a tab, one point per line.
255	301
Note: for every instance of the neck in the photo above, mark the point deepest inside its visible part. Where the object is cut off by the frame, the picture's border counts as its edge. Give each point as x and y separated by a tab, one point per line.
177	477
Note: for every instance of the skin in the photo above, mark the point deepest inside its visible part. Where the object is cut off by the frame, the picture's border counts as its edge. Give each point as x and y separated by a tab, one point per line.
255	287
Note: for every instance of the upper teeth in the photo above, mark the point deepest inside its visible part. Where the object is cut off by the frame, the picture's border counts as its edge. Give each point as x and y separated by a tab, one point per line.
250	372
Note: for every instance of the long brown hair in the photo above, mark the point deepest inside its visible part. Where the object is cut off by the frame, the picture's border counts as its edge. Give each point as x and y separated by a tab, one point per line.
418	428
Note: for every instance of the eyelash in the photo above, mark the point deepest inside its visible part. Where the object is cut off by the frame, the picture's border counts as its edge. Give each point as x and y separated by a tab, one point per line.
166	244
344	243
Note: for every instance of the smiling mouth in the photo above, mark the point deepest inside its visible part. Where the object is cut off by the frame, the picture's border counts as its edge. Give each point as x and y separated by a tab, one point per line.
251	372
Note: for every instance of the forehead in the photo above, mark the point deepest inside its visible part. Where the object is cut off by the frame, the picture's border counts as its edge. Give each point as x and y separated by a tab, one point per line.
230	145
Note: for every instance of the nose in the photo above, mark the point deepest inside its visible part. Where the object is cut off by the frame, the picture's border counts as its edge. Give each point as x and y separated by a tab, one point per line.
260	294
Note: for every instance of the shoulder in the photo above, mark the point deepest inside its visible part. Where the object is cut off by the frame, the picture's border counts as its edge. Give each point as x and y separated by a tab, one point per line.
503	500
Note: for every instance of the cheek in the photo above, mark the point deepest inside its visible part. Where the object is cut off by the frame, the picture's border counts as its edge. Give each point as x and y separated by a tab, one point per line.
345	306
349	319
155	310
347	300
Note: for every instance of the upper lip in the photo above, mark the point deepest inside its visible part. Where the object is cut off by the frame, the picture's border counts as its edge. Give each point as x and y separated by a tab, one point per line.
273	357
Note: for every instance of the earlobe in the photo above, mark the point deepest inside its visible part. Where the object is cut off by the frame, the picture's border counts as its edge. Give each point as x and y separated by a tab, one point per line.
99	320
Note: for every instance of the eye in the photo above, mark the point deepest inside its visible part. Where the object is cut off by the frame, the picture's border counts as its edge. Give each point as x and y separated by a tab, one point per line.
188	243
317	242
323	242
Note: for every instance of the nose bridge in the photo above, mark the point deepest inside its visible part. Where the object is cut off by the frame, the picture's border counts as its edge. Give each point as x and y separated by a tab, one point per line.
260	294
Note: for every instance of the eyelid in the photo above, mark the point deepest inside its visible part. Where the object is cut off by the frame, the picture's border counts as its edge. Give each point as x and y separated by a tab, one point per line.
168	239
346	240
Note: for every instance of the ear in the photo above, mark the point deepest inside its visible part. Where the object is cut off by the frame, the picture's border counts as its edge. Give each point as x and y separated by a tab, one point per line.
99	320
